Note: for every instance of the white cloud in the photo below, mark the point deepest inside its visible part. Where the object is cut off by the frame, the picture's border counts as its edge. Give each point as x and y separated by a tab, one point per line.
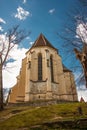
24	1
51	11
81	89
2	21
28	38
31	43
13	68
3	42
1	29
22	14
81	31
82	92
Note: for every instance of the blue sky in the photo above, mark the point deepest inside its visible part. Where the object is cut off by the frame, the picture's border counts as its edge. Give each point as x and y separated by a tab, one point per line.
46	16
37	16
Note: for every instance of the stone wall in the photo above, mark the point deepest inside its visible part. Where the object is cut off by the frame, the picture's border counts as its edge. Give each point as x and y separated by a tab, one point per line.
38	87
30	88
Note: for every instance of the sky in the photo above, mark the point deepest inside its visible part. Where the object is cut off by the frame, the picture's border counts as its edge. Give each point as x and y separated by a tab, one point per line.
36	16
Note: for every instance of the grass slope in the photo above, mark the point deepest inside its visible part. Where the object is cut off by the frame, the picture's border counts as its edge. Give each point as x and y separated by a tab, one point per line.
23	118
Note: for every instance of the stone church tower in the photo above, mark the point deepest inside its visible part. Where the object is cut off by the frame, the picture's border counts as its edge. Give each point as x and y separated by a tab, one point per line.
43	76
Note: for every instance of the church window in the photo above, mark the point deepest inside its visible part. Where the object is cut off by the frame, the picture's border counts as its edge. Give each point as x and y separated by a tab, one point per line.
40	66
51	68
29	64
47	62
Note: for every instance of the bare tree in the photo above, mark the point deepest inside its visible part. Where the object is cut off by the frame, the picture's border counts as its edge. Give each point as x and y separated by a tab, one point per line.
75	36
13	37
82	55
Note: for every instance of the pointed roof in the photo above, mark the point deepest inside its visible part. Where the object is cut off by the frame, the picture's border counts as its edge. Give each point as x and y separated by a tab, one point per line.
42	41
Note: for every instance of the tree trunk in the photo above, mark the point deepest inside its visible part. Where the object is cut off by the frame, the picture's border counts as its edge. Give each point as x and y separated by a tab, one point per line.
1	89
82	56
85	71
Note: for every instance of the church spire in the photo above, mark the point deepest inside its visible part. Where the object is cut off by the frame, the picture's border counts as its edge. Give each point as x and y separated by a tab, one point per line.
42	41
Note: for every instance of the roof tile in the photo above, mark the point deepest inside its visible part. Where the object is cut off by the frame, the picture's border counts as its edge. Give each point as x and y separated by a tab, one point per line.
42	41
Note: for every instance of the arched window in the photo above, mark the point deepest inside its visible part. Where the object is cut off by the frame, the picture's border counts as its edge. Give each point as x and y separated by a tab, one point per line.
29	64
40	66
51	68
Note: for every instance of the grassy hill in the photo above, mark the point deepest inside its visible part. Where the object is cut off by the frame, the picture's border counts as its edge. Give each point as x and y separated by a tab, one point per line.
59	116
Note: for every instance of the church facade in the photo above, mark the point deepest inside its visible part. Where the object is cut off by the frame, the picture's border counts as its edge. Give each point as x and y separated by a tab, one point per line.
43	76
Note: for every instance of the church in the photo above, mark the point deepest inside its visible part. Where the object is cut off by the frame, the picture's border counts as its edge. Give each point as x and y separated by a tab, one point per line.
43	76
